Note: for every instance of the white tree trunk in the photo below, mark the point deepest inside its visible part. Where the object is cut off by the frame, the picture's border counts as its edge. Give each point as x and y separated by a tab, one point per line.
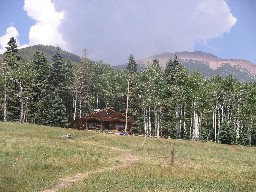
237	129
97	101
184	121
190	128
155	123
158	124
127	106
238	124
214	124
21	103
249	132
75	106
200	121
177	111
80	107
195	123
149	122
25	110
218	120
145	121
222	113
5	102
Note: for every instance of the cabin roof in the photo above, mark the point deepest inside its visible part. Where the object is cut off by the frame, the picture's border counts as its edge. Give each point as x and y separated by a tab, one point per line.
107	114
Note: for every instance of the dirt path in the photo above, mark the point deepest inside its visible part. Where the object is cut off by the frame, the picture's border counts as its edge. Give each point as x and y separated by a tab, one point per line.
126	159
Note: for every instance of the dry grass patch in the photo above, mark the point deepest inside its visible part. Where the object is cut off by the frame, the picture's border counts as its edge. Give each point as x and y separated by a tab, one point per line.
34	158
197	166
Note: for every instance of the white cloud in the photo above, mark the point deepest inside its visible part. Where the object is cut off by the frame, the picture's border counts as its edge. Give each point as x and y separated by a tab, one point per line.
46	29
113	29
4	39
212	18
48	20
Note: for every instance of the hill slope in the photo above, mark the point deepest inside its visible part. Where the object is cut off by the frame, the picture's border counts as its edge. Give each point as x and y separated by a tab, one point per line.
39	158
209	64
48	50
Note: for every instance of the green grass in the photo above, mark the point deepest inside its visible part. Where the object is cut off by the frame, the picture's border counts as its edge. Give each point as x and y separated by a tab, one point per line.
34	158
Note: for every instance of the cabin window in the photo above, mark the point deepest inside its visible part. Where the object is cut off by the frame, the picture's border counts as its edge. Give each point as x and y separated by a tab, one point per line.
120	126
92	125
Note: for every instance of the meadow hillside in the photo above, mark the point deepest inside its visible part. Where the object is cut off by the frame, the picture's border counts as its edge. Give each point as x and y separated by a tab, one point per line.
40	158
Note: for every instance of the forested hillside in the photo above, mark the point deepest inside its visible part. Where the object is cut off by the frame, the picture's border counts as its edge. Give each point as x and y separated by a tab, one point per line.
48	50
163	102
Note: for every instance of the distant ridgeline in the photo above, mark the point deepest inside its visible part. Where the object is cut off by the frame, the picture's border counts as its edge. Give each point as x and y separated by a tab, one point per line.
48	50
226	69
207	64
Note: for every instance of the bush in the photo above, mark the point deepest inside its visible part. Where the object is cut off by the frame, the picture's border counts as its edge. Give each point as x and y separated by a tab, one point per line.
226	134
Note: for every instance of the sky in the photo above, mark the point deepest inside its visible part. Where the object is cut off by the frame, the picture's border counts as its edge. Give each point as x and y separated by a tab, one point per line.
111	30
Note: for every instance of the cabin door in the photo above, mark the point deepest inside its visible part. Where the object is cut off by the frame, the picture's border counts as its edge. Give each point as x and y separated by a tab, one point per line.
107	125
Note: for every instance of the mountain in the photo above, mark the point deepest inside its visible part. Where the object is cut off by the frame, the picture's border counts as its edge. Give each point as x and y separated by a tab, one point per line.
48	50
208	64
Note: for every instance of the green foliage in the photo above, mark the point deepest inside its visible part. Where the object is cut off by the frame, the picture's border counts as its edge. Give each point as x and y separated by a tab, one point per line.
54	91
11	55
171	70
18	78
41	68
132	65
48	50
237	72
226	134
252	133
57	114
56	78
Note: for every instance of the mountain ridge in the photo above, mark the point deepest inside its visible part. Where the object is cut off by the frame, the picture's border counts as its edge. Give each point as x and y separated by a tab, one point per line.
213	61
208	64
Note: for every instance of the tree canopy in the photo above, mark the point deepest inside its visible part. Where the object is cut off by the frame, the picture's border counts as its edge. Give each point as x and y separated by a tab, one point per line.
169	102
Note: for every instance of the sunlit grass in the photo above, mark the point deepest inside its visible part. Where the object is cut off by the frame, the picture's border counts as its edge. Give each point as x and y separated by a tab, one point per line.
197	166
33	158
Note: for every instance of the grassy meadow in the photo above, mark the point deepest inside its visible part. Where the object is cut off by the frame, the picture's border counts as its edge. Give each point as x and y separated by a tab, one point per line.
38	158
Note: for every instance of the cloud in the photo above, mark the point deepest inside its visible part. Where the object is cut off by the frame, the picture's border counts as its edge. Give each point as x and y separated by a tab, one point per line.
4	39
46	29
111	30
48	20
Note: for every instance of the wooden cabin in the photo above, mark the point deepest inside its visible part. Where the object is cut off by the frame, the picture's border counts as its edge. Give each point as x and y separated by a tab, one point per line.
104	120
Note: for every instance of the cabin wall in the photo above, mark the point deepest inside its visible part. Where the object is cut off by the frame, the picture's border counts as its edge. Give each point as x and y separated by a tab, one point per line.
82	124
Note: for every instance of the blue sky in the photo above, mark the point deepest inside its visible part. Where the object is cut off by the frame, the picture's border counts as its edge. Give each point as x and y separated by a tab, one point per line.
113	29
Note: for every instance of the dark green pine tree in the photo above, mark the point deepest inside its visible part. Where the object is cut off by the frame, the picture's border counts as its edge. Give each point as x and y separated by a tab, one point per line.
132	66
56	93
67	90
57	73
11	55
171	70
226	134
171	73
41	68
11	87
57	115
